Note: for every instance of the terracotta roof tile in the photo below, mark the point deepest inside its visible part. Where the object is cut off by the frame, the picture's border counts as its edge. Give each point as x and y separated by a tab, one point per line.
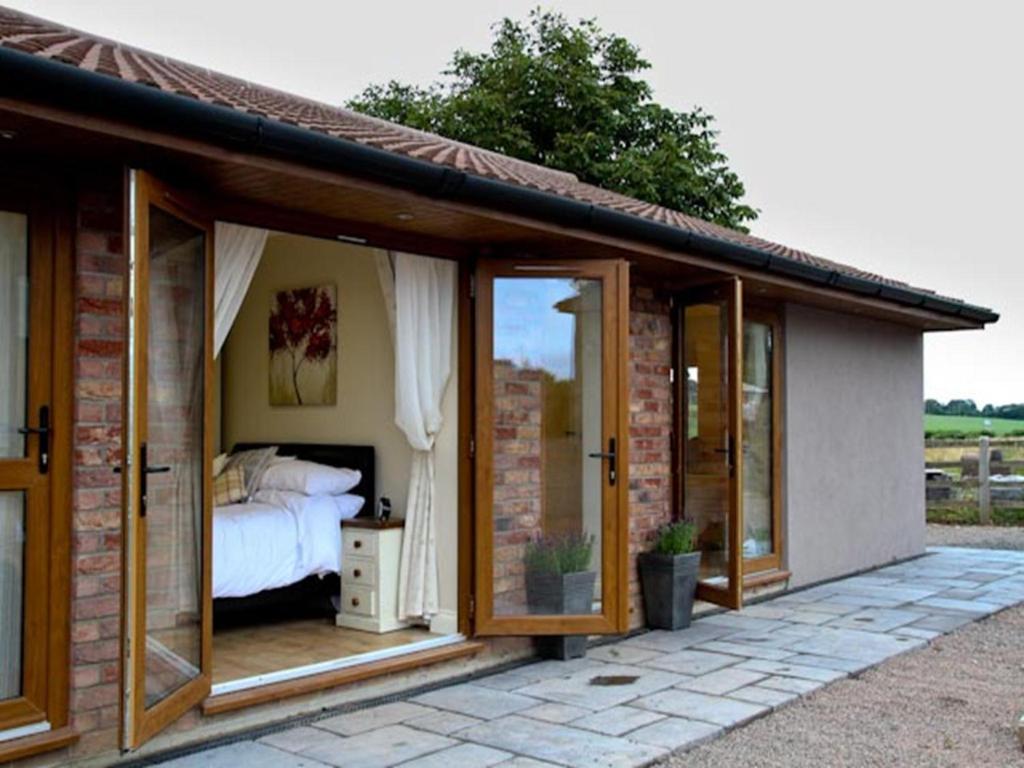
53	41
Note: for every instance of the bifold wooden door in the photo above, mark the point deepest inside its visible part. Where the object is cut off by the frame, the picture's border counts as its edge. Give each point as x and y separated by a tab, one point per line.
170	441
26	436
551	447
710	434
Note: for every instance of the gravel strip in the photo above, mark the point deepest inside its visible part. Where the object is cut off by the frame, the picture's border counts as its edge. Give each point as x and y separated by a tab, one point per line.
979	536
952	703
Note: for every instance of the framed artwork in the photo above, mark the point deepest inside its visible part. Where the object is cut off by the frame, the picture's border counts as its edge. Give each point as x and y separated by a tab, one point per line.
304	346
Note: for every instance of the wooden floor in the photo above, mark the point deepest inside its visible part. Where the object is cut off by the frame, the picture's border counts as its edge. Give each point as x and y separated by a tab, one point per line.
249	651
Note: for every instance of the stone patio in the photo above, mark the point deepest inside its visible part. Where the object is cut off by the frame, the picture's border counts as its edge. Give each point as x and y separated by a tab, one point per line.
677	689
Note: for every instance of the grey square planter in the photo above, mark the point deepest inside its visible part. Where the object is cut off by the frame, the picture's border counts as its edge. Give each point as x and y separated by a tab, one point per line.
561	594
669	586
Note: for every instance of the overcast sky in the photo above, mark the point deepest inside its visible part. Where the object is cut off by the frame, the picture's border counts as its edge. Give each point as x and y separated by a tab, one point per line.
886	135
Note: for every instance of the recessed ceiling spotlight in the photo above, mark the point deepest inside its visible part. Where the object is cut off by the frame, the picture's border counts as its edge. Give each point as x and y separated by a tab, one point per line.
7	134
404	216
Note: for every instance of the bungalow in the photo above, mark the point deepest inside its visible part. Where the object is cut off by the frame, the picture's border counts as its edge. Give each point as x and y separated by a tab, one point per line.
290	395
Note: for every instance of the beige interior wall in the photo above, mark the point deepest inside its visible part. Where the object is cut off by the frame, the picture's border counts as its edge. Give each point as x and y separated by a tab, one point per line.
364	412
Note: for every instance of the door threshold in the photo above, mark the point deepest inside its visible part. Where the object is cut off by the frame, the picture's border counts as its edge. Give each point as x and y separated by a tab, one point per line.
343	672
307	670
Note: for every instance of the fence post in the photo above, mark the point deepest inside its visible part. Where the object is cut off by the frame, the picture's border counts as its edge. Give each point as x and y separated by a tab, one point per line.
984	487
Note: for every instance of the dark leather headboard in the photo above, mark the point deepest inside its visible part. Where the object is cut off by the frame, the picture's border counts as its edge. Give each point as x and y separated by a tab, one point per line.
359	457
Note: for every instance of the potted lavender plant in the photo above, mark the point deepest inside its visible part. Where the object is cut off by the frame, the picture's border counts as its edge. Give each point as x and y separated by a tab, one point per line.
560	581
668	574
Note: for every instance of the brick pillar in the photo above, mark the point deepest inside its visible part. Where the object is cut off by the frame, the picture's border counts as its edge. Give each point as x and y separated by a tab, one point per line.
650	428
96	549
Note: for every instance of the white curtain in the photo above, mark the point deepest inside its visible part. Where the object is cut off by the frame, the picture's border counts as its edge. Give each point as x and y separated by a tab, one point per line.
13	361
237	252
420	294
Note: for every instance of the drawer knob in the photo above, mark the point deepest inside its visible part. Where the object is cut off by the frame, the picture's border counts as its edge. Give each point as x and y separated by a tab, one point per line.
357	573
355	601
357	544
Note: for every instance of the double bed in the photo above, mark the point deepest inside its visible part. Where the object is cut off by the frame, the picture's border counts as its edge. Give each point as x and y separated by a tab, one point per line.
277	556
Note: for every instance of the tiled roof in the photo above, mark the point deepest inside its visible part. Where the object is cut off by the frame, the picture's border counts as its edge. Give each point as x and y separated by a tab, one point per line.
88	52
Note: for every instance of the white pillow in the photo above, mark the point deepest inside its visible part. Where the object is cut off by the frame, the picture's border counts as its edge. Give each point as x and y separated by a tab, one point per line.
309	478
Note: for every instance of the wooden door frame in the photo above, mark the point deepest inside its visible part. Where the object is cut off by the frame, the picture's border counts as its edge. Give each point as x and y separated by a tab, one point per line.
46	654
731	595
614	275
140	723
771	317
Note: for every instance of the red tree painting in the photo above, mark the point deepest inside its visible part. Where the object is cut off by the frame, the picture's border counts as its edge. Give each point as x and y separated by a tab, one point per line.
303	330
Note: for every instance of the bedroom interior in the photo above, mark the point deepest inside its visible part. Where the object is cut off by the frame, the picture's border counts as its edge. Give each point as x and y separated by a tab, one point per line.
307	441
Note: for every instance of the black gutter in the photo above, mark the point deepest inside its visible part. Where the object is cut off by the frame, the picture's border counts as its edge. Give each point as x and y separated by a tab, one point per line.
36	79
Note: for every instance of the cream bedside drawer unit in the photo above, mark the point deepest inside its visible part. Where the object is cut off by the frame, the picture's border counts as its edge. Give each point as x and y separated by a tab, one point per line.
369	575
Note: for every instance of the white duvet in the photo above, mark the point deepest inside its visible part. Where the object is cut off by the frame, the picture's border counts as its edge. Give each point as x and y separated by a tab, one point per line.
277	539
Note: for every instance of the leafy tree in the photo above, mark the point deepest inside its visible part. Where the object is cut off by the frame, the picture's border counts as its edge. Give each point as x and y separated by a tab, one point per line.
570	96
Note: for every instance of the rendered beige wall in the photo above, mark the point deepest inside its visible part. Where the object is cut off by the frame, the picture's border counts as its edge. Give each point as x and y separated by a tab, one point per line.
364	413
853	445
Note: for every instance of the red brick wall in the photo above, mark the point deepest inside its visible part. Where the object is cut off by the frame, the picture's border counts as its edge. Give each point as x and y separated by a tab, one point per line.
96	552
650	427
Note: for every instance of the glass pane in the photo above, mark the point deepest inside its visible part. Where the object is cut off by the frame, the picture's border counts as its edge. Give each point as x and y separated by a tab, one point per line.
13	331
547	417
706	471
174	528
12	588
757	439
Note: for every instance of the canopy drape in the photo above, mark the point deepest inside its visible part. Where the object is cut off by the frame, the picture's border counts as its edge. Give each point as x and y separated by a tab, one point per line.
420	295
237	252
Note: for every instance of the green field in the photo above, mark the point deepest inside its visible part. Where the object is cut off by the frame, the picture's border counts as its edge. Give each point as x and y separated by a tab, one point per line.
971	424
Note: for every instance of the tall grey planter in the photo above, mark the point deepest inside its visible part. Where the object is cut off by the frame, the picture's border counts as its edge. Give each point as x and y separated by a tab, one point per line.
669	585
561	594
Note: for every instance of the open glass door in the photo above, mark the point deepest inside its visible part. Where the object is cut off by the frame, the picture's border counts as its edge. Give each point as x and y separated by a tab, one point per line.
168	498
551	458
711	323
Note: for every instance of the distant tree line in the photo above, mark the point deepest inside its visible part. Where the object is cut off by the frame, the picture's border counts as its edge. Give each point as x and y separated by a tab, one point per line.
970	408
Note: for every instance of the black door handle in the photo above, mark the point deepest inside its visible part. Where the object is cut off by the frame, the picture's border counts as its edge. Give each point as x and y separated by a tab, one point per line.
43	432
612	457
144	472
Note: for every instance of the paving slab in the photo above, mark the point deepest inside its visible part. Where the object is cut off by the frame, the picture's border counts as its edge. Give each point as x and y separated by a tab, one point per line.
691	662
717	710
676	733
620	653
244	753
443	722
722	681
797	685
553	712
743	650
380	748
617	721
298	739
561	744
461	756
584	688
476	701
769	697
669	642
784	668
363	720
850	666
876	619
855	644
